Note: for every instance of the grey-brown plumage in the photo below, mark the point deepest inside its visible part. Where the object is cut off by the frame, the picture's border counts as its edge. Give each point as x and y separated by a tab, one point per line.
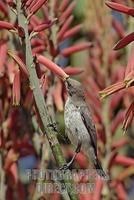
78	122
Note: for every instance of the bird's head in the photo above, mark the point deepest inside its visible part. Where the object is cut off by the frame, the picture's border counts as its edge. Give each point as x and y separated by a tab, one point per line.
74	89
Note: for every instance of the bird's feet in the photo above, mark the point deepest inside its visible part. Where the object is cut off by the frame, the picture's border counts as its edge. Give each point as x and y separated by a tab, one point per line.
66	166
53	126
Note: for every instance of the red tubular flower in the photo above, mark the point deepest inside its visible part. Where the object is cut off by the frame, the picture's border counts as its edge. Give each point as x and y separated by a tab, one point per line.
44	26
118	75
67	12
81	160
113	55
38	69
90	95
3	8
55	196
93	85
117	121
86	196
35	21
115	99
130	64
120	143
118	27
129	79
11	157
65	27
112	89
38	49
71	32
28	3
19	62
121	8
124	41
128	117
56	6
11	68
32	4
11	3
13	170
45	12
123	160
3	55
98	190
95	64
63	5
52	66
121	193
57	96
21	32
125	173
41	27
16	89
73	70
76	48
36	42
28	100
53	50
6	25
37	6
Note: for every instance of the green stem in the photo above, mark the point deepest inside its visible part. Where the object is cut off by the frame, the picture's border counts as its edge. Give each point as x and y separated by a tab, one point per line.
40	102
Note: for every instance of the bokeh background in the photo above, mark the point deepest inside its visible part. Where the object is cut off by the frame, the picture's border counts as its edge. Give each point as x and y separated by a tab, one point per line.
70	27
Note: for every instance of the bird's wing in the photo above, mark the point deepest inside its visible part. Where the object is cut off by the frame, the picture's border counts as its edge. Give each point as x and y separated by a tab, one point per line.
87	120
66	138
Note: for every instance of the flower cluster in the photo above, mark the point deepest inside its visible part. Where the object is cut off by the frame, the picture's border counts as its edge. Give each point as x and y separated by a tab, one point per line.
105	66
51	30
128	79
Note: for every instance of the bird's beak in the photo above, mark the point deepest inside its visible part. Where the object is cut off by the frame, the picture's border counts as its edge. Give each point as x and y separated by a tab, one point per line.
66	81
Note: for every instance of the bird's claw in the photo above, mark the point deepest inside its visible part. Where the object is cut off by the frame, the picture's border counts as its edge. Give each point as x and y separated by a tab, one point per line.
53	126
65	166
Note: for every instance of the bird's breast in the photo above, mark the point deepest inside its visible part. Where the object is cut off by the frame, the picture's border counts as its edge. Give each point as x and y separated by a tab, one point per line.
73	121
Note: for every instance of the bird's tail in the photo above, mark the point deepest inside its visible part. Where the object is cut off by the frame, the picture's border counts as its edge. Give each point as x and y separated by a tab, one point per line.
99	169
